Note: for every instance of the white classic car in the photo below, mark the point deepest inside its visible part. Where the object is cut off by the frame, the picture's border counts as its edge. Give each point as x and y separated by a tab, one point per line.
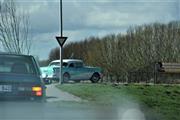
73	69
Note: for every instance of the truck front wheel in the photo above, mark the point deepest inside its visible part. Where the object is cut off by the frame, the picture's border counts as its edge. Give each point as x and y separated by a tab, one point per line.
95	78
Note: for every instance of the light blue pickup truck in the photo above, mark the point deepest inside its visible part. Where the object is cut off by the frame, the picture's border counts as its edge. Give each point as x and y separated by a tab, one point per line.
73	70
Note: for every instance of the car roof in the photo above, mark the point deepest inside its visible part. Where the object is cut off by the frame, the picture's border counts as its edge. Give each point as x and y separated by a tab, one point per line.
68	60
14	54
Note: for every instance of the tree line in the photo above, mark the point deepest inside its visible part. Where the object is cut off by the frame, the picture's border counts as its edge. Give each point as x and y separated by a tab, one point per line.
120	54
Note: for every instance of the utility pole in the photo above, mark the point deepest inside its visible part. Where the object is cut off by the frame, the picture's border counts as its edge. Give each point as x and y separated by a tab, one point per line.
61	40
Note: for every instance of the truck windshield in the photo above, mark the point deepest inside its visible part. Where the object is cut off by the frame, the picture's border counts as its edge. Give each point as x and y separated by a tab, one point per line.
16	64
57	64
54	64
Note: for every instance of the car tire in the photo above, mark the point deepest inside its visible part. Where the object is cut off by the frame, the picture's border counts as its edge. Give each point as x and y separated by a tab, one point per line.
50	81
66	77
95	78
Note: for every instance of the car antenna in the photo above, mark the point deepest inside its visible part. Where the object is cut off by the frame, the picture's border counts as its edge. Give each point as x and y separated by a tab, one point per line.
72	56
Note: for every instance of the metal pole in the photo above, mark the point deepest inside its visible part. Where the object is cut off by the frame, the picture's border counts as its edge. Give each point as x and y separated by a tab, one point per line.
61	18
61	48
60	71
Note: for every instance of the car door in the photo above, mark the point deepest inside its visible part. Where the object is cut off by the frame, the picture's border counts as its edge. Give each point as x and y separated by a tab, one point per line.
82	72
75	70
72	71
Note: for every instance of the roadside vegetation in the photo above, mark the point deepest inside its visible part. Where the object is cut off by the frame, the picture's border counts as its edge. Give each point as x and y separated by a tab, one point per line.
162	99
119	54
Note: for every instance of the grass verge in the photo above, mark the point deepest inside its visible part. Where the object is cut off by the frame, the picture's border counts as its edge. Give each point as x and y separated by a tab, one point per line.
161	99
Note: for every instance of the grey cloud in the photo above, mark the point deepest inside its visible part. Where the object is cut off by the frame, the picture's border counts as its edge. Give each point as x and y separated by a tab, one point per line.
42	44
96	18
45	20
79	14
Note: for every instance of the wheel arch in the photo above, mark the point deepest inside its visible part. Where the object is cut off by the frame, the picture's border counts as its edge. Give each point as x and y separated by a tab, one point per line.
97	73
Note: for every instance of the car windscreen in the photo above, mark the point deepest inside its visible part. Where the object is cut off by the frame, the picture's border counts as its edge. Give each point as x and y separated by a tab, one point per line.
16	64
54	63
57	64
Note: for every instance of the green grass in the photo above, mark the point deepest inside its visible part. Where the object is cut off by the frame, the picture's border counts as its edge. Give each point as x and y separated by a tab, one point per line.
96	93
164	100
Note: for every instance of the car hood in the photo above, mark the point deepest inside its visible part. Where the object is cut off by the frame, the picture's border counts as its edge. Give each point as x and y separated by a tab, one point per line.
43	68
19	78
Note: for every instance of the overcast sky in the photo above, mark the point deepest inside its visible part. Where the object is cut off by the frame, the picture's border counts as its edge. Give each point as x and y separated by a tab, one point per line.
84	18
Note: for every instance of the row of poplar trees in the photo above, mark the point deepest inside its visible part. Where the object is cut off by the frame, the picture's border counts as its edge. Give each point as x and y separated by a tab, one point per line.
119	54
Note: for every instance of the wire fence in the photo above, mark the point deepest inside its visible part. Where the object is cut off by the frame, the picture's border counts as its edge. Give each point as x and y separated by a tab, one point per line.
159	73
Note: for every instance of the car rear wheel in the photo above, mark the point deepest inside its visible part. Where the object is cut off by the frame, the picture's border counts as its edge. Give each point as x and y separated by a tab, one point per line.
66	77
95	78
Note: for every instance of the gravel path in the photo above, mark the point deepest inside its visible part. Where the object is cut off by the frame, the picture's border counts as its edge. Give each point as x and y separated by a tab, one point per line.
54	94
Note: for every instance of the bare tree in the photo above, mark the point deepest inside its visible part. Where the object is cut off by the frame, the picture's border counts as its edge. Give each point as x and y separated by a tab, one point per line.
135	52
14	28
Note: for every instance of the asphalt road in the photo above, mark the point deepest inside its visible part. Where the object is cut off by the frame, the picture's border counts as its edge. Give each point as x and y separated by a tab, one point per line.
54	94
63	106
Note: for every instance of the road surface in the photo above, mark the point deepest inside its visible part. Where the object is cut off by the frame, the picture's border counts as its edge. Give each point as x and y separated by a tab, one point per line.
54	94
63	106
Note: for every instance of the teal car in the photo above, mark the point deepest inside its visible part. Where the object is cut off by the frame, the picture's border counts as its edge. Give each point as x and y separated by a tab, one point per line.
20	78
73	70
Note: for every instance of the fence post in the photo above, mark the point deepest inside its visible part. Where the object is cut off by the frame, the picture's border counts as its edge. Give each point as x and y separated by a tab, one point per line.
155	73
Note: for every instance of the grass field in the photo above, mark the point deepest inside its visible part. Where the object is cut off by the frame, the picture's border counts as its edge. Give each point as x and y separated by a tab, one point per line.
164	100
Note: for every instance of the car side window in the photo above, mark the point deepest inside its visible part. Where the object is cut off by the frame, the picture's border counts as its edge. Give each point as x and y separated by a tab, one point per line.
71	65
79	64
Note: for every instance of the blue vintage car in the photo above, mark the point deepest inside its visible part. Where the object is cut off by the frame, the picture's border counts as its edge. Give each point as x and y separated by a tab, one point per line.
73	70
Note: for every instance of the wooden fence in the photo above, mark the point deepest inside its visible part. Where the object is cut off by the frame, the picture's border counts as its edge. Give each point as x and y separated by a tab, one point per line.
168	73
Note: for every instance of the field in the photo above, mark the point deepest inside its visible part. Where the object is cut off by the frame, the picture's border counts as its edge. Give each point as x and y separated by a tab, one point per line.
161	99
